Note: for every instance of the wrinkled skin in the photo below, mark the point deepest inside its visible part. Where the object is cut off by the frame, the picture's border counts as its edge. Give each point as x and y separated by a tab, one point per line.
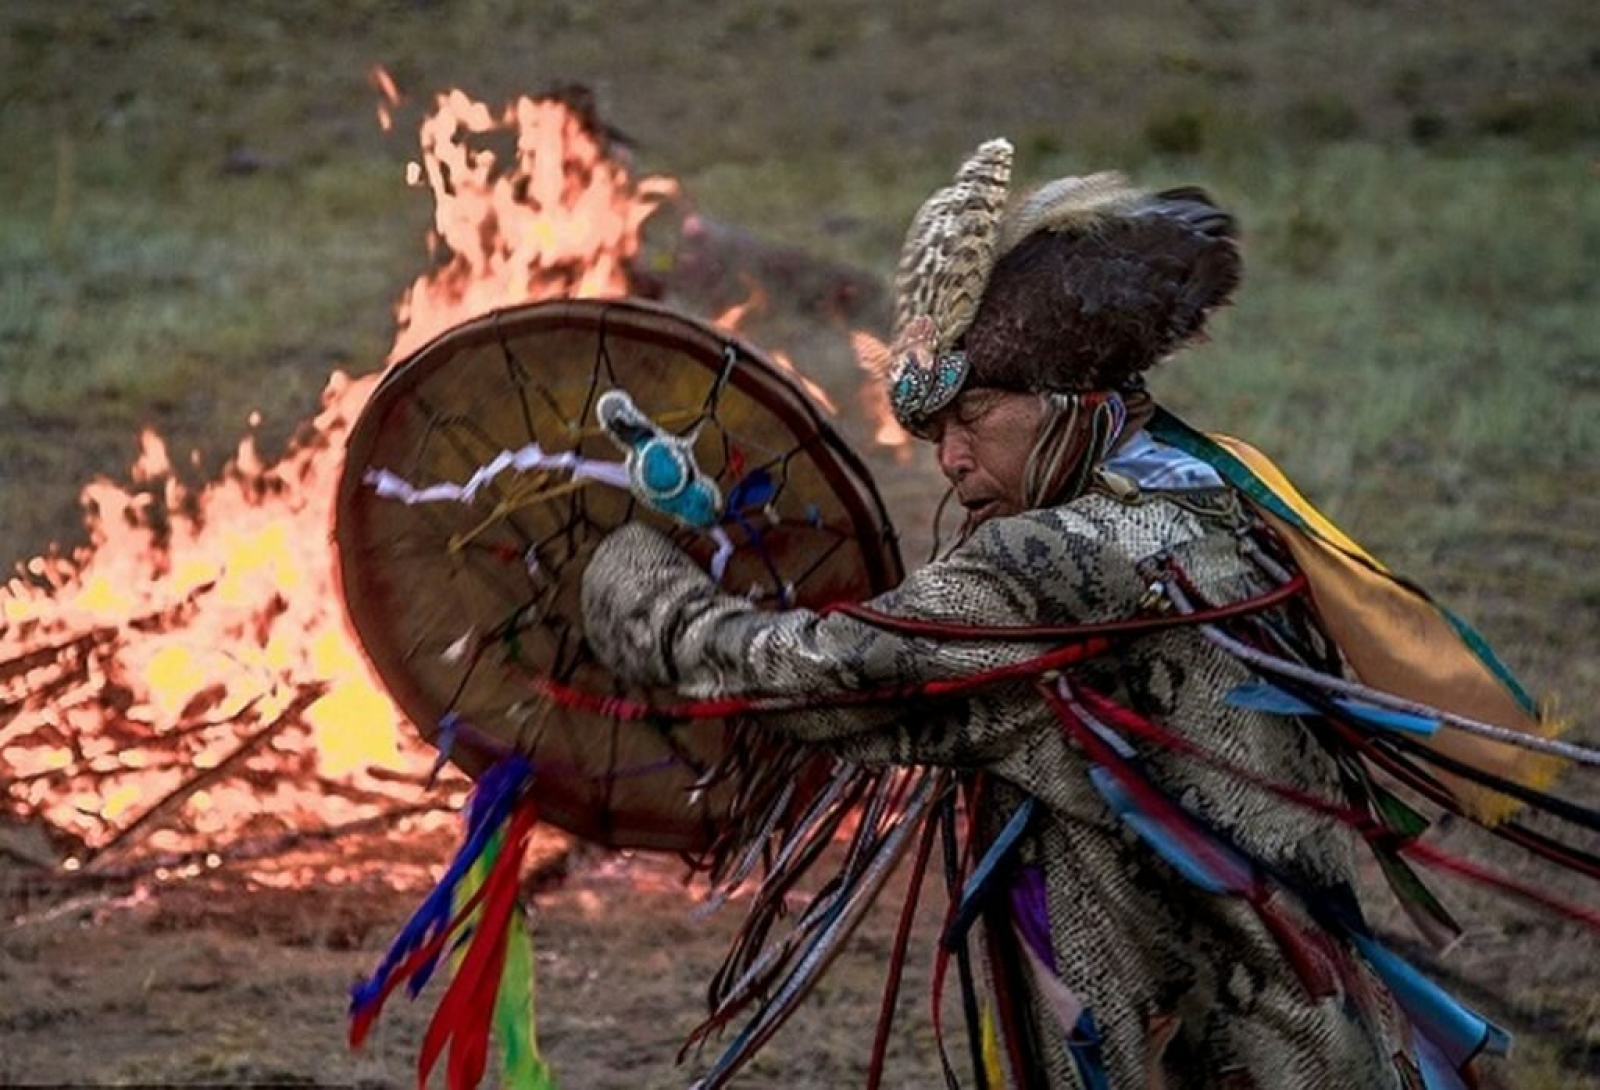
984	438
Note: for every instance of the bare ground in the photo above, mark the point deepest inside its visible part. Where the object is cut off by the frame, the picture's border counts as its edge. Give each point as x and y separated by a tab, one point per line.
214	981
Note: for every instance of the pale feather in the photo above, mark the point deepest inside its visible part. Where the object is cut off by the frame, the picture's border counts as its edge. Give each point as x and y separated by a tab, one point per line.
952	243
1070	204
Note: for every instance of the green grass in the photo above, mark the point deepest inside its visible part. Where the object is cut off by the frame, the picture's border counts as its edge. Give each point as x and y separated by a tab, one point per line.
133	300
202	218
1402	307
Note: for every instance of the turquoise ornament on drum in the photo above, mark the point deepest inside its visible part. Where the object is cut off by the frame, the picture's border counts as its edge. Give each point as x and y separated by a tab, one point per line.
662	472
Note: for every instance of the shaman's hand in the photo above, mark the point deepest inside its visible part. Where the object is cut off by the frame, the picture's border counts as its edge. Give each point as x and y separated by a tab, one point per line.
634	591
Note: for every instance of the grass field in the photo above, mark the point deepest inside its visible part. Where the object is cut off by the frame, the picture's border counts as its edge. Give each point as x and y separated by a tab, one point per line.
194	195
201	219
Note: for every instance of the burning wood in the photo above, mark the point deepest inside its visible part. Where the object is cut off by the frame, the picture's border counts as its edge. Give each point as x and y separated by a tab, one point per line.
192	785
186	685
187	681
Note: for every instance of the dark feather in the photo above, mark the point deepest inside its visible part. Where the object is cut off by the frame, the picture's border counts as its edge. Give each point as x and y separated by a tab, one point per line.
1091	310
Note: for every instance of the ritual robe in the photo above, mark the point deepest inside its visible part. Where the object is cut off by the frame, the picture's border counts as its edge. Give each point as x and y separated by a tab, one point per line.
1182	985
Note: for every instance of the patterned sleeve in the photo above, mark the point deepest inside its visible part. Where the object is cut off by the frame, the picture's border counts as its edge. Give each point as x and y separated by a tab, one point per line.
653	617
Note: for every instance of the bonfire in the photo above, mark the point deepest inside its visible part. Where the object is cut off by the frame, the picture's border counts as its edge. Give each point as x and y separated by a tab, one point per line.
184	691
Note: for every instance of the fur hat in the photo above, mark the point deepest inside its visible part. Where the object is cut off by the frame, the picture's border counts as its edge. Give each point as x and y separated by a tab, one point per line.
1081	286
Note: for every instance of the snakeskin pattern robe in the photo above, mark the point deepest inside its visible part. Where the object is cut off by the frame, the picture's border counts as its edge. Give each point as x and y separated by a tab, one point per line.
1147	952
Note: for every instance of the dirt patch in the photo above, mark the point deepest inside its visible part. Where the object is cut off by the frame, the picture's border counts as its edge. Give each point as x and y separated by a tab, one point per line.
215	982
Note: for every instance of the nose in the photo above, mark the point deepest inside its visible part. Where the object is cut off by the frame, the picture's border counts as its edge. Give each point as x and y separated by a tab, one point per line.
955	454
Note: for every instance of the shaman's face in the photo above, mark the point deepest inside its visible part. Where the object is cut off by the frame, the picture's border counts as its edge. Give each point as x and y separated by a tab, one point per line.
984	438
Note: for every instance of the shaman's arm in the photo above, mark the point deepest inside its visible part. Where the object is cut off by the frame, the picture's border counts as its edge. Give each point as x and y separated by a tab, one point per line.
655	618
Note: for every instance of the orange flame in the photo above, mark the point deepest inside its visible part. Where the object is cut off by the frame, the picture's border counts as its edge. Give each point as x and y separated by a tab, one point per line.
872	356
180	639
561	219
735	315
198	634
384	84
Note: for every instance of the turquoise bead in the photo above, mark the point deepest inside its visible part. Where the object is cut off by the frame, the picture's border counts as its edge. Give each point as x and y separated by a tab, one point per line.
662	469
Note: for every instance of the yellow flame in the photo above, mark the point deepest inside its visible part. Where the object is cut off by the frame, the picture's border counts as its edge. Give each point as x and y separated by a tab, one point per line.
100	595
222	598
353	727
118	802
173	677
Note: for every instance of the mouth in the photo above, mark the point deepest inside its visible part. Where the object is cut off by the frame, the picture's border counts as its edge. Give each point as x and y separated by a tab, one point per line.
980	507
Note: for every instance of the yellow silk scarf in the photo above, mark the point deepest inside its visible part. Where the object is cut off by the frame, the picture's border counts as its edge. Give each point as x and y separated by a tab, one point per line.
1398	641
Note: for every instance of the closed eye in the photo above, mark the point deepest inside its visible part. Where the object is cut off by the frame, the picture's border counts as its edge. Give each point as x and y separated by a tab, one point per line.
974	406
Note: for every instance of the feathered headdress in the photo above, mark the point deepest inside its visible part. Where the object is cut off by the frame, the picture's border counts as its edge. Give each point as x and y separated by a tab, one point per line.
1078	287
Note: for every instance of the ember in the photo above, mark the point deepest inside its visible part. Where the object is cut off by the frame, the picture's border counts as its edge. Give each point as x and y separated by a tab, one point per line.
187	681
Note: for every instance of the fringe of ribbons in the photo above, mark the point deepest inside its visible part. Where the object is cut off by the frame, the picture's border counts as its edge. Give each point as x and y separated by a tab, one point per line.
473	917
